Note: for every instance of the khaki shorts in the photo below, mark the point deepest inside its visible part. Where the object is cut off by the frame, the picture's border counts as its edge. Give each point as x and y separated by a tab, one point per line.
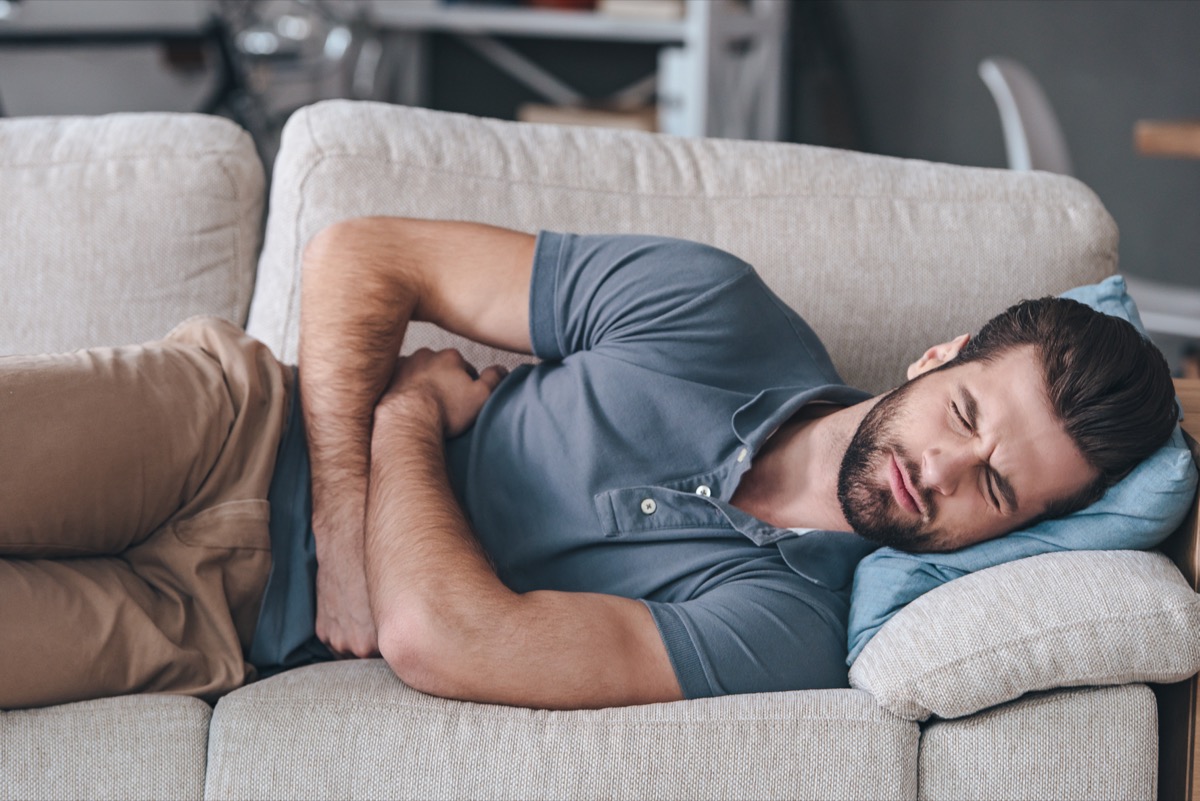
134	544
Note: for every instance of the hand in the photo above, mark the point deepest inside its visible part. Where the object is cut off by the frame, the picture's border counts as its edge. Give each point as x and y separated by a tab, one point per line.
445	379
344	620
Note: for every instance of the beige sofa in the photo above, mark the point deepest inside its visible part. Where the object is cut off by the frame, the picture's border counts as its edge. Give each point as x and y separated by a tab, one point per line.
112	229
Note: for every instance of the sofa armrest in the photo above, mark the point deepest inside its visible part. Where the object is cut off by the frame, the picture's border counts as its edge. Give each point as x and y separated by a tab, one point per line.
115	228
1184	545
1179	703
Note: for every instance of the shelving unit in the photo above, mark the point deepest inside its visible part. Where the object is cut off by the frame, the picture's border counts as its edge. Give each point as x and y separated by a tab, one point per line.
720	67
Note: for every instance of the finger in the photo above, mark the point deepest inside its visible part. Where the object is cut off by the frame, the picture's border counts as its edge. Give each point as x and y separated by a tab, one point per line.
455	357
336	647
492	376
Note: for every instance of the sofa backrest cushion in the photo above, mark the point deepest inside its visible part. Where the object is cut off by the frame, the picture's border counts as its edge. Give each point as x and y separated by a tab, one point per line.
115	228
882	256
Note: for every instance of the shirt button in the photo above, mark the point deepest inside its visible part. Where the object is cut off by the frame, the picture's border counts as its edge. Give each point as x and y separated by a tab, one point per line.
703	490
742	455
649	506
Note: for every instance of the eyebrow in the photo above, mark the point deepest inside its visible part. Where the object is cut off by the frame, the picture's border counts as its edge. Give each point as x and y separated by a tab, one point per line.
971	410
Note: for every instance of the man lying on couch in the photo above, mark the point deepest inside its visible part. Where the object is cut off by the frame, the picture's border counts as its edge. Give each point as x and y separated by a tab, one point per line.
659	509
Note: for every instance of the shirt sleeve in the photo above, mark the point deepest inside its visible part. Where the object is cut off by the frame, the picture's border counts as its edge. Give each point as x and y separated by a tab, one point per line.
759	634
634	295
590	290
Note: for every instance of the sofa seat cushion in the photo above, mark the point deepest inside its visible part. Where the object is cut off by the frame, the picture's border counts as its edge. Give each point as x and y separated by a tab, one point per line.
352	730
1056	620
140	746
116	228
882	256
1073	745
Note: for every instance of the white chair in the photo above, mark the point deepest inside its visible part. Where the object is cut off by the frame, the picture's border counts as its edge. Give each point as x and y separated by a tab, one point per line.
1032	136
1033	140
1167	308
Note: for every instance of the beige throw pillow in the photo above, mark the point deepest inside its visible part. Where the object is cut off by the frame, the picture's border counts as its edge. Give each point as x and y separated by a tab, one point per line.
1055	620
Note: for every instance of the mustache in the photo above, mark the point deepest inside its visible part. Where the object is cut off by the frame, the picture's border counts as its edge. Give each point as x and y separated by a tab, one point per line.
912	472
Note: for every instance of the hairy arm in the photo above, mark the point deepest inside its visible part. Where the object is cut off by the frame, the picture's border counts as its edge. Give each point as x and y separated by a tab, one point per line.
364	280
447	625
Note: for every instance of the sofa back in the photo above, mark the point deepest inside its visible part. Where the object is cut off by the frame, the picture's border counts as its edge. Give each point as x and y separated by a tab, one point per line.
882	256
115	228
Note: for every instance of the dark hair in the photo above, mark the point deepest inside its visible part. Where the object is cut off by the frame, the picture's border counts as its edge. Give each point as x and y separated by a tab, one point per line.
1108	384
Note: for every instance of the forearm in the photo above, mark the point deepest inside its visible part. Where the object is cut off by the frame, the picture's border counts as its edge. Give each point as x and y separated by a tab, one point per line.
364	280
448	625
426	572
353	319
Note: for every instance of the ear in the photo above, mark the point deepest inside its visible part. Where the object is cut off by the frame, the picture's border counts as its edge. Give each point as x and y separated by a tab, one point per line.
937	356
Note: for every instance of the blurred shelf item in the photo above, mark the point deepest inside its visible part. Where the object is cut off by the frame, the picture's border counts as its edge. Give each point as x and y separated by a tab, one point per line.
720	62
643	119
568	5
642	9
483	19
1168	138
42	23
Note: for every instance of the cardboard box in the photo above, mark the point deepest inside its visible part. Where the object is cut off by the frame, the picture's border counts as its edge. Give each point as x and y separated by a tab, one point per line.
643	119
643	9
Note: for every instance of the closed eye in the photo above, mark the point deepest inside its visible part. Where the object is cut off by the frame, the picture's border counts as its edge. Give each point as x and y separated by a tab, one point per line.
962	421
988	476
991	492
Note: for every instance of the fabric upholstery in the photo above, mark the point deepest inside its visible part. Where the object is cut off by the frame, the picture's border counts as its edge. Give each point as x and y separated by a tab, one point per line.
1076	745
882	256
115	228
118	227
1054	620
363	734
144	746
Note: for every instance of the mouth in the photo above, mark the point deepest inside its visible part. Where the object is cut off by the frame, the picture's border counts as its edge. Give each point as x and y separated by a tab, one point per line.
901	487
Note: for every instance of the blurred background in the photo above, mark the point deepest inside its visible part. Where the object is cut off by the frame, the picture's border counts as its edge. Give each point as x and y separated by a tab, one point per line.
1048	84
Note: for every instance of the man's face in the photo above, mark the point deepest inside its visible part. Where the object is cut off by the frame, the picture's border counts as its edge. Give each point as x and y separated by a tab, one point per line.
959	456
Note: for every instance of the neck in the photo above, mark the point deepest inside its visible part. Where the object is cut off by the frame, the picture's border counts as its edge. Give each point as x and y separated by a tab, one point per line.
793	482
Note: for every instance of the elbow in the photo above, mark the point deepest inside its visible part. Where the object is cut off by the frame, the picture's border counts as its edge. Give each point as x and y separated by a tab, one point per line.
368	254
331	243
413	643
336	240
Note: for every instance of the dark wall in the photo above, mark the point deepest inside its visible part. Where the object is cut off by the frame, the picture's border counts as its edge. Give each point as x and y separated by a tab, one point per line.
900	77
906	74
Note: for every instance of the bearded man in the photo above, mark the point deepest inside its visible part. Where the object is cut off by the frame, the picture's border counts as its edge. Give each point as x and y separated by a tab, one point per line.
669	504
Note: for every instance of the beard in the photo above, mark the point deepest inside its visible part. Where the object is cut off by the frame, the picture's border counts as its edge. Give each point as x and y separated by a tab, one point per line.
869	506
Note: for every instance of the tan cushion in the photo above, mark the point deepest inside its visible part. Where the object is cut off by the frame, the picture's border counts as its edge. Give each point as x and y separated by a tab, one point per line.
882	256
1055	620
352	730
143	746
115	228
1074	745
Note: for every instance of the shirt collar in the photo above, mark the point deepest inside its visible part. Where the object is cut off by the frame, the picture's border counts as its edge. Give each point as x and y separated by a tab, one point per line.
827	558
757	420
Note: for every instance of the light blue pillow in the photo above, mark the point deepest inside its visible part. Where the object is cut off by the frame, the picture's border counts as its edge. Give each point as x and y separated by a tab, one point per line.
1138	512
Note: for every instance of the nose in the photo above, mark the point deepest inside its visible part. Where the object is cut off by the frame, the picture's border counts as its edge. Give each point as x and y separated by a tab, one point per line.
942	468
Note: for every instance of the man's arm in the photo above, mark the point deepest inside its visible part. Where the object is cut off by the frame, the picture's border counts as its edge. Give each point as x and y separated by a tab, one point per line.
363	281
447	625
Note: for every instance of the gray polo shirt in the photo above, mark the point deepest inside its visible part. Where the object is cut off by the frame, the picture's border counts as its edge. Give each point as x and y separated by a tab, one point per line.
608	466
